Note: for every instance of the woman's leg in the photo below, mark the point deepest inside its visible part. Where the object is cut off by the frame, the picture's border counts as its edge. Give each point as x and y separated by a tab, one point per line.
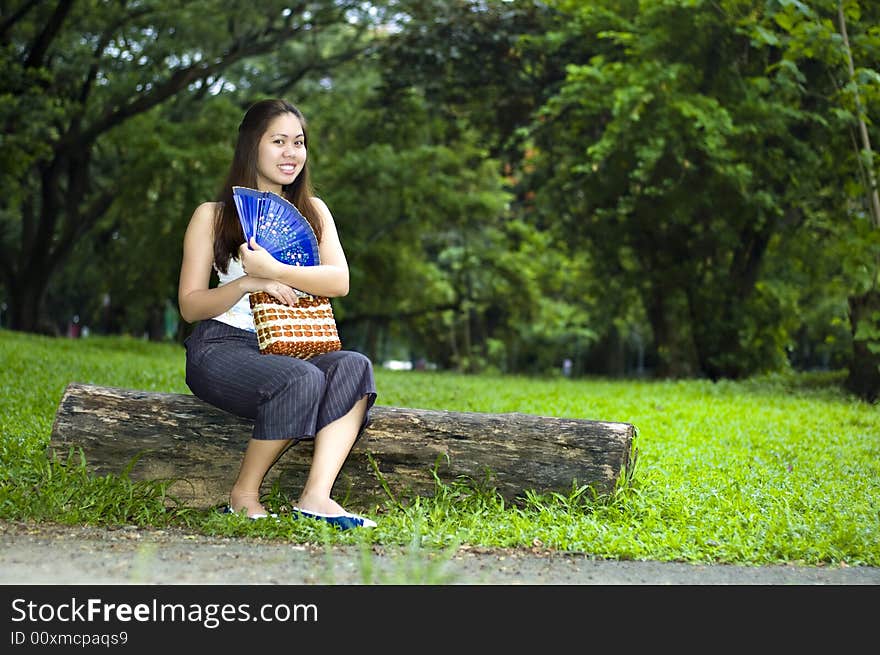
259	457
333	443
282	394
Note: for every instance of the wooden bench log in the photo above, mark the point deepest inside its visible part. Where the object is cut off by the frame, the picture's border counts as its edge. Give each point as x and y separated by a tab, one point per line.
179	437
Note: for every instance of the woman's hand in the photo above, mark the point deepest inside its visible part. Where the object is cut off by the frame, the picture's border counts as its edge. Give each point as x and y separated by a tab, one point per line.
256	260
278	290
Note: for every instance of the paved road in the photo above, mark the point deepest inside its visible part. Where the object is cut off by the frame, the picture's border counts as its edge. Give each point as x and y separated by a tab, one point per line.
48	554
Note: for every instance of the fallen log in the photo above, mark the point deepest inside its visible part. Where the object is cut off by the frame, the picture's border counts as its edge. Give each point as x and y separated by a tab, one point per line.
178	437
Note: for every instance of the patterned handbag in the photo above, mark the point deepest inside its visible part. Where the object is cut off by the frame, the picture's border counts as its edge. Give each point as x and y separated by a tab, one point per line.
302	330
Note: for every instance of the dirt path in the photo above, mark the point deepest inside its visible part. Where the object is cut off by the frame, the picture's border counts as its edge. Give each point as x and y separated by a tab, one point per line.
54	554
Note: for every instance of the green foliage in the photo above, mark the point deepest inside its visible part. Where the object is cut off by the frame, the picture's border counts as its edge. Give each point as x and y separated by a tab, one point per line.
781	468
102	105
119	279
680	146
473	63
669	145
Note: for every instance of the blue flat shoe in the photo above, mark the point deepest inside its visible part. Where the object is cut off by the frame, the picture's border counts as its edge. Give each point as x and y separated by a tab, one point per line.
342	521
253	517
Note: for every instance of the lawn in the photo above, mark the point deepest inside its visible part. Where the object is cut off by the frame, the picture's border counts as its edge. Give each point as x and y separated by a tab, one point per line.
782	468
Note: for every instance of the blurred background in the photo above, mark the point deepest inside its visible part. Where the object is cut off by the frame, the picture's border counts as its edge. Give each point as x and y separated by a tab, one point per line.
663	189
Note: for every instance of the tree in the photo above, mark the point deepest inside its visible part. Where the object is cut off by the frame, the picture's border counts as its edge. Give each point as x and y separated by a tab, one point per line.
76	72
864	305
677	153
816	46
670	148
480	70
482	65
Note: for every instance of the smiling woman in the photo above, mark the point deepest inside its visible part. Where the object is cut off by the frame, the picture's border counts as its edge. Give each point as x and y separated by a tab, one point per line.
325	399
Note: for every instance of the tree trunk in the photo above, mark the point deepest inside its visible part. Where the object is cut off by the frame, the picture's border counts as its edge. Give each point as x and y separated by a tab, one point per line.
179	437
864	369
672	338
24	305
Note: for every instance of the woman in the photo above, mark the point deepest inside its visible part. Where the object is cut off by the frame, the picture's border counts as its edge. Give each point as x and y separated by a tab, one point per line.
327	397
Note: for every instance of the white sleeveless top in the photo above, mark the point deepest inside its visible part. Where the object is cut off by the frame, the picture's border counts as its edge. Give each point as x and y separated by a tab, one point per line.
240	314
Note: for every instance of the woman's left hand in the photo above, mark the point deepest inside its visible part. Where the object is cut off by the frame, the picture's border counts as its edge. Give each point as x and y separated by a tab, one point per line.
256	260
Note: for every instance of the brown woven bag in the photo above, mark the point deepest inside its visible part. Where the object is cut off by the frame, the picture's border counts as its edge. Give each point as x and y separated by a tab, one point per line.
302	330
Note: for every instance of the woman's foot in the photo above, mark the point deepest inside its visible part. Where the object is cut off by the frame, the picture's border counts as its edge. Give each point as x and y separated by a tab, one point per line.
327	509
319	505
247	502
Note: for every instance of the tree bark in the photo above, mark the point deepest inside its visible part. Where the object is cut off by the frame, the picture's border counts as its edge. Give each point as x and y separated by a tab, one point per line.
863	378
178	437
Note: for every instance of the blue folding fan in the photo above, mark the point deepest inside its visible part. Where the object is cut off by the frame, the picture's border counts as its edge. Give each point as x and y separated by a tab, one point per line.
277	225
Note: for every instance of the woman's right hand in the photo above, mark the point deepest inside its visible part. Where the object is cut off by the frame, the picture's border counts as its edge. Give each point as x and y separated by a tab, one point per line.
278	290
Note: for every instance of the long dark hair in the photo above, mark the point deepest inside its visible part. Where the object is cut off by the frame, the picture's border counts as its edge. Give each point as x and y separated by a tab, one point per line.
228	234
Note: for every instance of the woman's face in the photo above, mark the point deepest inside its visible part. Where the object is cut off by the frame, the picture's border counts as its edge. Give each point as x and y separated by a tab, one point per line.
282	153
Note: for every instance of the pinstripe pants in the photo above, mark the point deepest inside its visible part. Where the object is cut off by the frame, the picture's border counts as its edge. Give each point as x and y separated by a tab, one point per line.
286	397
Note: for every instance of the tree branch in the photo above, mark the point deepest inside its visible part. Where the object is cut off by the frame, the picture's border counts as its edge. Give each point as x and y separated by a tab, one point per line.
16	16
873	196
50	31
82	223
99	51
179	79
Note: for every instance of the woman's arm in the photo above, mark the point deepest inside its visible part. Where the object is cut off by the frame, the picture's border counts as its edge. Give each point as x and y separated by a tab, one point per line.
196	300
329	278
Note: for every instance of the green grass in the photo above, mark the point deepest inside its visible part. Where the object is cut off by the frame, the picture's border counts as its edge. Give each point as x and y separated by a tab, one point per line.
769	470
